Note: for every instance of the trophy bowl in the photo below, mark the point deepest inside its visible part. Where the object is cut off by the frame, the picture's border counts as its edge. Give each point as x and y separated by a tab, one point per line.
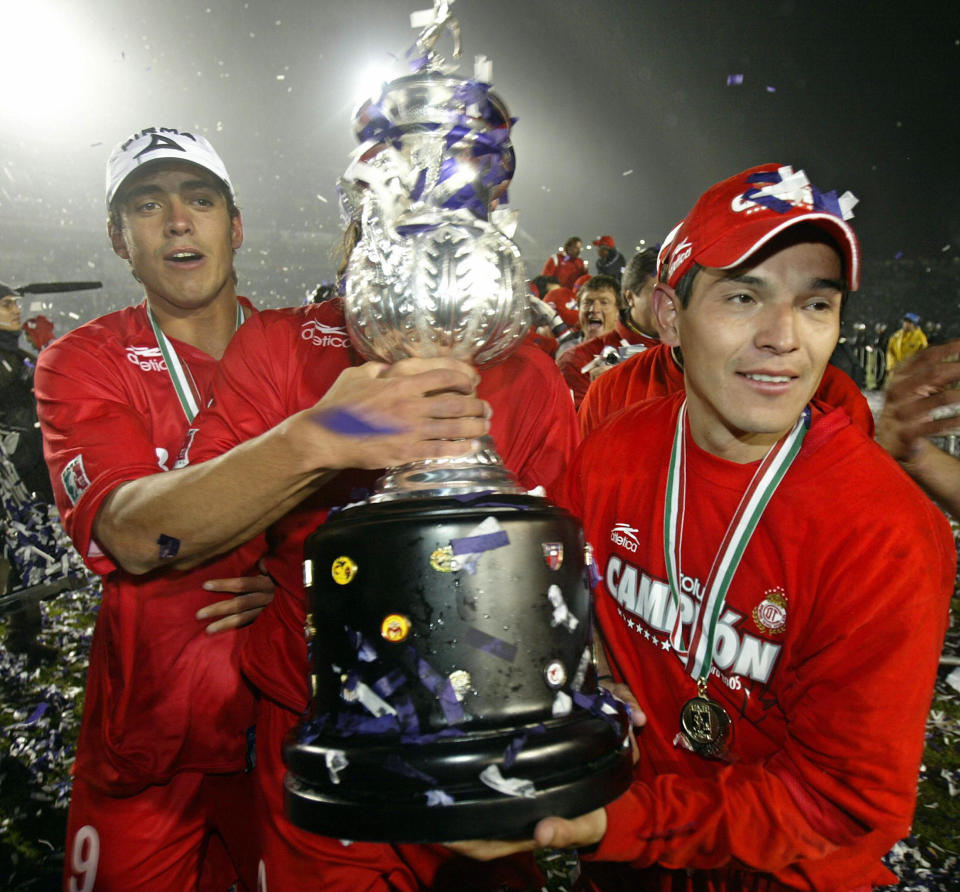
457	289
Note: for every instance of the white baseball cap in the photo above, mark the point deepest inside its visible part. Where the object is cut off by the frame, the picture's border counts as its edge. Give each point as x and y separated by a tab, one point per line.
158	143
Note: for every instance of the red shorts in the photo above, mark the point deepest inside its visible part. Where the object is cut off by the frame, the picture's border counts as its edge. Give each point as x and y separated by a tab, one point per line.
295	859
197	832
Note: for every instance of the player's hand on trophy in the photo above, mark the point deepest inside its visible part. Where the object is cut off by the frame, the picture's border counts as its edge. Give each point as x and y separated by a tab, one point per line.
553	833
252	594
919	401
386	415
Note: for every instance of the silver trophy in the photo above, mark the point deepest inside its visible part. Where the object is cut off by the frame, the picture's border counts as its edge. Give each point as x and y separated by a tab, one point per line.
435	272
454	692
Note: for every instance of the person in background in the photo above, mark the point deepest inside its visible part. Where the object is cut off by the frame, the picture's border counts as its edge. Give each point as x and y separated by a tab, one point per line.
25	483
905	341
610	262
922	401
634	332
566	266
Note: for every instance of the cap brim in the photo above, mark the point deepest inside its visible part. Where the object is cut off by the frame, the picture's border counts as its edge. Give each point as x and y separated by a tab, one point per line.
729	252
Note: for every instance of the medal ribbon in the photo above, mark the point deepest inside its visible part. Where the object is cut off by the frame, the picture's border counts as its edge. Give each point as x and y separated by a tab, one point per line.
767	477
180	377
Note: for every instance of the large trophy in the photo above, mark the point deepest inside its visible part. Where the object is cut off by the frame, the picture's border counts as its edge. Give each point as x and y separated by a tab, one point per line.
454	688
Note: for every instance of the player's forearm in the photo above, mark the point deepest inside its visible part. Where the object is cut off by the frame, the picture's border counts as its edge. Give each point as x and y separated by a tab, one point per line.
182	517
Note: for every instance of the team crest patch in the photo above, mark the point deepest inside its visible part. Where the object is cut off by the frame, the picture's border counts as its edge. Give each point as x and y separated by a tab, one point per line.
770	614
75	479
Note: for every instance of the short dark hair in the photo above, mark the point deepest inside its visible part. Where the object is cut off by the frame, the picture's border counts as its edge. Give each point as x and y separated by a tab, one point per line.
642	266
601	283
541	283
571	240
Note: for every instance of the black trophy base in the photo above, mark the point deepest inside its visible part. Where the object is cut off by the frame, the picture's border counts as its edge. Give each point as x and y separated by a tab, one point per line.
575	765
452	649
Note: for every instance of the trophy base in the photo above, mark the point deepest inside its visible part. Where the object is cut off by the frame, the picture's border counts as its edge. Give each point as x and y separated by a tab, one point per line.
575	765
454	693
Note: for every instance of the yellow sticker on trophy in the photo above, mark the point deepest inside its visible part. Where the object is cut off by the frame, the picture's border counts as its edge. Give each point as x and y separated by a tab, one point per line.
442	559
343	570
395	627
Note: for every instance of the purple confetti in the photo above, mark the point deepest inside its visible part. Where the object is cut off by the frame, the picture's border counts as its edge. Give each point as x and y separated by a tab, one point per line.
734	80
400	766
35	715
518	743
496	647
387	684
483	542
343	421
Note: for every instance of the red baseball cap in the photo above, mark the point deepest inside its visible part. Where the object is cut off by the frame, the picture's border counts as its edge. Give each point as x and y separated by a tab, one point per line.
605	240
735	218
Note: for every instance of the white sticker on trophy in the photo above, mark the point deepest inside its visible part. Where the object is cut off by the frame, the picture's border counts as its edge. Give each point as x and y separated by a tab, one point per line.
561	613
509	786
336	762
562	704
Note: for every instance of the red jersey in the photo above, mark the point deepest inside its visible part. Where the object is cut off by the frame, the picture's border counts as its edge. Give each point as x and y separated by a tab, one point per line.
825	654
655	372
162	695
571	362
564	269
284	361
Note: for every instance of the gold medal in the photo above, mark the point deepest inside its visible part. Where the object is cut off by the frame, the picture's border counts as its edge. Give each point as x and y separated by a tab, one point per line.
705	724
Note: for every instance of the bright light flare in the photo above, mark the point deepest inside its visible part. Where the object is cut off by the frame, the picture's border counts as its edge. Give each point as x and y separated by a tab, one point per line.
371	81
50	63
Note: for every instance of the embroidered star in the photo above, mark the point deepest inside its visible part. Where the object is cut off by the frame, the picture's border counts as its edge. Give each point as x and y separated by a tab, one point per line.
646	634
665	644
630	623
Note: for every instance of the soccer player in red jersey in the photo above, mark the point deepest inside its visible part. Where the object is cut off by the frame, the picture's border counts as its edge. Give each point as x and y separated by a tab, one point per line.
781	641
159	774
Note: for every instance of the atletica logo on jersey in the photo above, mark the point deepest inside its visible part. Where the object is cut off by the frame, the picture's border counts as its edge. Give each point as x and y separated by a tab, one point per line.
75	479
148	359
647	608
324	335
625	536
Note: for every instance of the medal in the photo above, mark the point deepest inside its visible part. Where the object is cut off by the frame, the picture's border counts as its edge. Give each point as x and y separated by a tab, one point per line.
705	724
180	376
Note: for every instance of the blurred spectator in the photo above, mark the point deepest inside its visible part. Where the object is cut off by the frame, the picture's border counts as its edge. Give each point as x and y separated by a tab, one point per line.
566	266
541	284
905	341
634	332
39	330
19	430
610	261
599	303
21	455
923	401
